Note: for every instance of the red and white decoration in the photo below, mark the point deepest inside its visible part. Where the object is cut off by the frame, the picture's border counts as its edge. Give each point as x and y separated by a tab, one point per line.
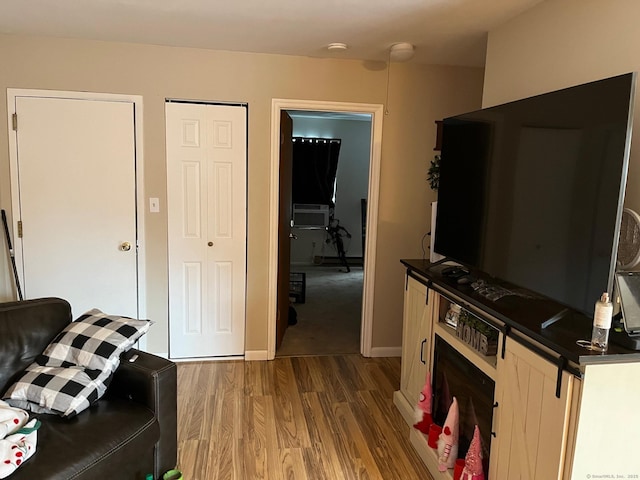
423	409
448	440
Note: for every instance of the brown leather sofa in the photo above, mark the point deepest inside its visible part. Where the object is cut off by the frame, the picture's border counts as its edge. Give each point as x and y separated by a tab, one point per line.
129	433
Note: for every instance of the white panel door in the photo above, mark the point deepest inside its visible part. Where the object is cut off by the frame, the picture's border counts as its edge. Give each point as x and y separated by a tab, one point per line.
206	191
77	202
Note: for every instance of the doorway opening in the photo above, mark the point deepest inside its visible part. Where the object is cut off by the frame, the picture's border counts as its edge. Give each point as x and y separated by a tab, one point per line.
330	183
331	285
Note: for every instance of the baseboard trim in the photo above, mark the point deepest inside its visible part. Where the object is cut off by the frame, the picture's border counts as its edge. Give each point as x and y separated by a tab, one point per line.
256	355
386	351
206	359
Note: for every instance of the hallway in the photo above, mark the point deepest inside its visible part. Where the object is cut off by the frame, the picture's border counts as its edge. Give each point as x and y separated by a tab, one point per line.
329	320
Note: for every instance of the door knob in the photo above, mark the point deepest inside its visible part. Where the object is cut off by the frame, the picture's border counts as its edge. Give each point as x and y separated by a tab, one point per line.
125	246
210	244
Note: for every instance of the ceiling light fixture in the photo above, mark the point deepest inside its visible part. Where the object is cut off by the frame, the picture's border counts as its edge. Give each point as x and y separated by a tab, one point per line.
401	52
337	47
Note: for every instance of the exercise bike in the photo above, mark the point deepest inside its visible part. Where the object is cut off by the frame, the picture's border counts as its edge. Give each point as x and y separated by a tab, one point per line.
336	232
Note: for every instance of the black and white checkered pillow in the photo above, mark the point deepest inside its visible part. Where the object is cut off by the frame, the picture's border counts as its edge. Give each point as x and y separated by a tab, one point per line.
94	341
65	391
74	370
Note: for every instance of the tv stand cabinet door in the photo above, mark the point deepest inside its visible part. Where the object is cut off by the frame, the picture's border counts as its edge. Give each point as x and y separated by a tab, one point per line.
530	422
416	348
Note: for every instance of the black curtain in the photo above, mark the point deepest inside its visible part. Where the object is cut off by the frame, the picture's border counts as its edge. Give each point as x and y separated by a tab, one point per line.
315	163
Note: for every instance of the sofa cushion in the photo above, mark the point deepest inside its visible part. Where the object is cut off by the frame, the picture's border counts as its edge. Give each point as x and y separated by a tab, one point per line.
114	438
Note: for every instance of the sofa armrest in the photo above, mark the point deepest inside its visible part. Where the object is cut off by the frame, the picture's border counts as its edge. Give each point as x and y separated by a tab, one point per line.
152	381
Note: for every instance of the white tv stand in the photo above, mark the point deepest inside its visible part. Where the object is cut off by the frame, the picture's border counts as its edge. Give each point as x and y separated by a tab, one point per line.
562	412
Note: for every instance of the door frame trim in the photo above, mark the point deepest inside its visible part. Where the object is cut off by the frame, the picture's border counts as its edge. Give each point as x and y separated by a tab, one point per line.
136	100
377	114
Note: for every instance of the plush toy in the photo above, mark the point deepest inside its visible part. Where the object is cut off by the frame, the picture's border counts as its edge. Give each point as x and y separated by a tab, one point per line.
473	461
448	440
423	416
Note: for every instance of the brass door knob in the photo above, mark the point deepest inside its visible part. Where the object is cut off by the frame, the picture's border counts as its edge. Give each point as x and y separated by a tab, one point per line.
125	246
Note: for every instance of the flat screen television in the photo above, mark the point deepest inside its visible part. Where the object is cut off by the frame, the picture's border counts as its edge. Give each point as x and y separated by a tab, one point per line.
531	191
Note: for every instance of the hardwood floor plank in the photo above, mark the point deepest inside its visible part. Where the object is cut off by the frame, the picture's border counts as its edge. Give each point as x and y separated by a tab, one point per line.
323	440
384	374
254	378
227	433
292	463
356	442
255	437
316	418
291	424
391	449
306	374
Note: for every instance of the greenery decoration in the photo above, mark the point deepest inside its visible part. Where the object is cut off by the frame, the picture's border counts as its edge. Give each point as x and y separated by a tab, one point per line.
477	334
433	175
479	325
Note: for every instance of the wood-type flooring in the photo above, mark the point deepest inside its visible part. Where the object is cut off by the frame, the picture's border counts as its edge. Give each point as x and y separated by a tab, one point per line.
293	418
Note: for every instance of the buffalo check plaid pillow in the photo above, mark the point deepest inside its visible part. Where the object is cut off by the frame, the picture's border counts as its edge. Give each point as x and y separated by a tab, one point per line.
94	341
74	370
65	391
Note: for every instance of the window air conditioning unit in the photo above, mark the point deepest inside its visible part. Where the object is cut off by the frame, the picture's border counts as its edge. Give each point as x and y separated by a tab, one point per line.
310	215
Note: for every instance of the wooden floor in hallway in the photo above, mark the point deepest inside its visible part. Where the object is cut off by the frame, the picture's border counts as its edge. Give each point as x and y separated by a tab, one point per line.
294	418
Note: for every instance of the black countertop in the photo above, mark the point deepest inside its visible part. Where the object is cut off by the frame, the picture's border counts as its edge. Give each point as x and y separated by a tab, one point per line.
526	312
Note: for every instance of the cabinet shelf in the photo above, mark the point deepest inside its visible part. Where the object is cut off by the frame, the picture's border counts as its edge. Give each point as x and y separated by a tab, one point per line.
487	364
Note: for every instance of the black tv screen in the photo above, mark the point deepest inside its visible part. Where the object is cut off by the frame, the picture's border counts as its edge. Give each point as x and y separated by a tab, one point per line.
531	191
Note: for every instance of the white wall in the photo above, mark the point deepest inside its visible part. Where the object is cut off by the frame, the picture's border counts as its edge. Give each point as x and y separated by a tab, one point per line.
352	184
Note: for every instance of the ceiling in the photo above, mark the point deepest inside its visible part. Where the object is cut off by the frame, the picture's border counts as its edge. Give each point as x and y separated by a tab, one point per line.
447	32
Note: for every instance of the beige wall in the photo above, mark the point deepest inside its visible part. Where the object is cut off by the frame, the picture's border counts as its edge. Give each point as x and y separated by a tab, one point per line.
561	43
418	96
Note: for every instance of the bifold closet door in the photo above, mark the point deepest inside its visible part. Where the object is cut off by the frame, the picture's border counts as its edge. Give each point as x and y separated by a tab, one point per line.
206	204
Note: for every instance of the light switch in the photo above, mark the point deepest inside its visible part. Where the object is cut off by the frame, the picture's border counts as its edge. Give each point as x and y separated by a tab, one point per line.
154	205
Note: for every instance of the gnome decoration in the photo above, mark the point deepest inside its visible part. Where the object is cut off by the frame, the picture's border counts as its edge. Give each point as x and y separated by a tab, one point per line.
473	461
448	440
423	409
